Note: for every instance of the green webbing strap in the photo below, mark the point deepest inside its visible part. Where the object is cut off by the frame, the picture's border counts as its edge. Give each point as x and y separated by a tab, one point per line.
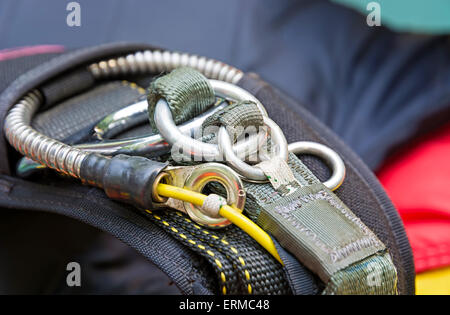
236	118
373	275
301	213
313	223
187	92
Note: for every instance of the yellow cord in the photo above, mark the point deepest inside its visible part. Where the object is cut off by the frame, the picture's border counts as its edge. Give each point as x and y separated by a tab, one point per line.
225	211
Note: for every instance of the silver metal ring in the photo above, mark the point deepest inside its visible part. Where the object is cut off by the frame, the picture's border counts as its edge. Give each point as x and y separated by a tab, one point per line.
201	151
214	172
122	119
331	158
251	173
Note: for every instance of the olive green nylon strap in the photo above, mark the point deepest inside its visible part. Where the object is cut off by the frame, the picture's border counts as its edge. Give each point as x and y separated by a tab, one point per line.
300	212
316	227
375	275
312	222
237	118
187	92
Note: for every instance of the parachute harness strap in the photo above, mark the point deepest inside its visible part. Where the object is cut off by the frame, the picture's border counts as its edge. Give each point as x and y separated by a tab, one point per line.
310	221
187	92
236	119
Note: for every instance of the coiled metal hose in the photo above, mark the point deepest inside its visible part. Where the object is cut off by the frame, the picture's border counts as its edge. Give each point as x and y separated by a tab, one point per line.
67	159
157	61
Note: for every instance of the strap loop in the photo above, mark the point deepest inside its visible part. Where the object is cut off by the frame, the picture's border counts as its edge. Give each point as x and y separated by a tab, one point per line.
187	91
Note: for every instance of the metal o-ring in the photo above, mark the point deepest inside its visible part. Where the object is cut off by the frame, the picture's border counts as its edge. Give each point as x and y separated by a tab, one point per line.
251	173
331	158
197	149
214	172
160	178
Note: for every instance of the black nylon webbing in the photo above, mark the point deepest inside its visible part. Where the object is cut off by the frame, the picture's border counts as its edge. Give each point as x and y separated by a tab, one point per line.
91	206
242	266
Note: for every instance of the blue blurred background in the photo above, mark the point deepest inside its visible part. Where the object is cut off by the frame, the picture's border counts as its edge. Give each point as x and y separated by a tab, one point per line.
180	24
320	52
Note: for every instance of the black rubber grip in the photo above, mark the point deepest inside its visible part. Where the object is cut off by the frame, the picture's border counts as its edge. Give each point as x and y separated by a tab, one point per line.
123	177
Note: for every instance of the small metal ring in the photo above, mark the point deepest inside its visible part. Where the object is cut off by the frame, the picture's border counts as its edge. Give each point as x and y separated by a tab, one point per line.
251	173
201	151
162	177
331	158
214	172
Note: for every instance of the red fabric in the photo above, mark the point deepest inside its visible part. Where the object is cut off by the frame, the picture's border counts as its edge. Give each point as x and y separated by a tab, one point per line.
13	53
418	182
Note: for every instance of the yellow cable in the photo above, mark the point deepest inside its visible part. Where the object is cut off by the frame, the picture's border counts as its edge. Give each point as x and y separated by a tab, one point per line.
225	211
251	229
179	193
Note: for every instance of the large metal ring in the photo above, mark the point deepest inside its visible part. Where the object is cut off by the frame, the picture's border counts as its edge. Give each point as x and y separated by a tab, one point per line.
251	173
214	172
201	151
331	158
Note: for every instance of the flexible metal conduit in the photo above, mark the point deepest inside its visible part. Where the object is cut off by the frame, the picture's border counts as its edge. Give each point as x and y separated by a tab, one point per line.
67	159
157	61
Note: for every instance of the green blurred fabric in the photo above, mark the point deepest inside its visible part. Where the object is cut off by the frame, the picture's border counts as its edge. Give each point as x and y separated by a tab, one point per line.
423	16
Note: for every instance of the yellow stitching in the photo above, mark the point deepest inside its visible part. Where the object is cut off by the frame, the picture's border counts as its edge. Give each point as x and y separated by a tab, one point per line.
211	245
134	86
218	263
209	252
125	194
235	251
